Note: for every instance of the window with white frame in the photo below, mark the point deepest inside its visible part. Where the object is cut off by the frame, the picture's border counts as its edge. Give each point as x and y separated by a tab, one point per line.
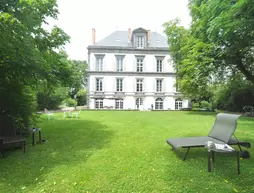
99	84
119	84
139	84
99	64
158	104
140	41
139	65
178	104
99	103
159	85
159	65
119	104
119	64
176	87
139	101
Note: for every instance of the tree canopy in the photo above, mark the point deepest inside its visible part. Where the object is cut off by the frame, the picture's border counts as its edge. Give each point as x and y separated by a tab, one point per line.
218	44
29	54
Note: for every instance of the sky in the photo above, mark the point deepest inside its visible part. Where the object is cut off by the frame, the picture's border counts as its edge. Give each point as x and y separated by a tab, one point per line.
78	17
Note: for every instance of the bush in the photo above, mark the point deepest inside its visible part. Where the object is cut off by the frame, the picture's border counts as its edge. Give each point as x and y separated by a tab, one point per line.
70	102
234	95
205	105
81	97
51	97
19	101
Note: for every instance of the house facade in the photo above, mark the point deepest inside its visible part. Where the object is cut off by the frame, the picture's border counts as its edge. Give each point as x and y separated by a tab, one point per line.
132	70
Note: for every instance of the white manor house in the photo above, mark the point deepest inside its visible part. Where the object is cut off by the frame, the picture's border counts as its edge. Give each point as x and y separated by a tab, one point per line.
132	70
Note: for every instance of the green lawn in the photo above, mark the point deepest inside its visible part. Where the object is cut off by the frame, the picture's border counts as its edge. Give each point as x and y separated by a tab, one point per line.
111	151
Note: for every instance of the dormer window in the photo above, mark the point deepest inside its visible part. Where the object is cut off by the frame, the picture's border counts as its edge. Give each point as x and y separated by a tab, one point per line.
140	41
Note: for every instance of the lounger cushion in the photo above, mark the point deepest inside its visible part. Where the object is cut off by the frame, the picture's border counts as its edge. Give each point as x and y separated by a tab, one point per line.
191	141
224	127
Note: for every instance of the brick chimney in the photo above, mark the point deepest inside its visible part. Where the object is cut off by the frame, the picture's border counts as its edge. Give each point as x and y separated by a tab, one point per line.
148	35
129	35
93	36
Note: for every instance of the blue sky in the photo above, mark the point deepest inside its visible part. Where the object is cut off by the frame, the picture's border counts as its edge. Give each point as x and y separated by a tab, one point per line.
78	17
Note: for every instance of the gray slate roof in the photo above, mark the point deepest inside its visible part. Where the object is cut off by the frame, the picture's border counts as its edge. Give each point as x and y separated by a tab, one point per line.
120	39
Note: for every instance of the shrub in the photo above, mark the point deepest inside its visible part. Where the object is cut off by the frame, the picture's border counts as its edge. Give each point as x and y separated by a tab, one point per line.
70	102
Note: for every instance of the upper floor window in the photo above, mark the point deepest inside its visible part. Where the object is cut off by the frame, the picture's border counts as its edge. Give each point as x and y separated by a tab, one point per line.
177	88
159	65
159	85
119	64
139	85
119	85
139	65
99	84
99	62
140	42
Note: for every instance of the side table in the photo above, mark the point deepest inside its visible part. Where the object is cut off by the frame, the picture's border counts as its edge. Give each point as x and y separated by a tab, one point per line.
227	149
34	130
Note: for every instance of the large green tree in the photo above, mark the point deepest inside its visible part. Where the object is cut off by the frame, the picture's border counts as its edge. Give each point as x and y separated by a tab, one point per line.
218	44
28	54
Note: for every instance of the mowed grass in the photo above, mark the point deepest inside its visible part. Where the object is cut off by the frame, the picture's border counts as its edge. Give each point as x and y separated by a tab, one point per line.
115	151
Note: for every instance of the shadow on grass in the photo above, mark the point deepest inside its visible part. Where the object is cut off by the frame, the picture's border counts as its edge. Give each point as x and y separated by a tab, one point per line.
70	142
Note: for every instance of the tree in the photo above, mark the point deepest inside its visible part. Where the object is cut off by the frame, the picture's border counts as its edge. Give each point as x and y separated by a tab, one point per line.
218	44
28	54
78	76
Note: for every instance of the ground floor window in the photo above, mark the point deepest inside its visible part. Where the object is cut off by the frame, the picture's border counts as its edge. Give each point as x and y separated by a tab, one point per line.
178	104
158	104
139	101
119	104
99	103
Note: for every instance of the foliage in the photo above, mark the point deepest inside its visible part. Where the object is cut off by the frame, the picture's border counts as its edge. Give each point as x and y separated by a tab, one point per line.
78	76
192	61
218	44
70	102
29	55
81	97
51	97
234	95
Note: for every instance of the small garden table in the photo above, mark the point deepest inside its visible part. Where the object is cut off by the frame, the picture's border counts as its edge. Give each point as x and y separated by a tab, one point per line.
34	130
222	148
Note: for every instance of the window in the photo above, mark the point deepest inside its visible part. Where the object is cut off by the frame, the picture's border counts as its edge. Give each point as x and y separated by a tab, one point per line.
177	89
99	103
139	65
99	64
119	104
140	42
119	64
178	104
159	65
139	101
159	85
158	104
139	85
119	85
99	84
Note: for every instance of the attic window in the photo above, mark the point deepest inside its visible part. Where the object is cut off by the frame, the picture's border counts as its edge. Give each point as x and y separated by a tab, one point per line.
117	40
140	42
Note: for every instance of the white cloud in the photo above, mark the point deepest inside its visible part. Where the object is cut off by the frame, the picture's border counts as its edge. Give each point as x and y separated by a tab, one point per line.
78	17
